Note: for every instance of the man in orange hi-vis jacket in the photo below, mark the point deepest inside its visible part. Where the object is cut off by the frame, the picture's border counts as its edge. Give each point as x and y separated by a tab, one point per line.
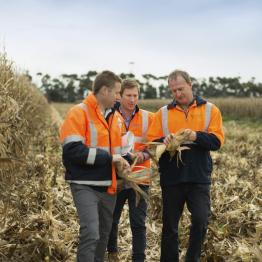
137	121
91	138
187	181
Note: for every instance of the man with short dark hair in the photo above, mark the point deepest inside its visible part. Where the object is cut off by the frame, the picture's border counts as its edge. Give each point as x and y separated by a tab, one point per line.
136	121
91	138
187	181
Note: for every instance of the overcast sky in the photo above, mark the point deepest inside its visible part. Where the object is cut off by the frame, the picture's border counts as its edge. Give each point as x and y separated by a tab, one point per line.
204	37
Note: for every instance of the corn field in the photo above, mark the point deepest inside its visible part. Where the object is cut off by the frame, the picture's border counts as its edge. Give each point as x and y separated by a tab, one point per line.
38	220
231	108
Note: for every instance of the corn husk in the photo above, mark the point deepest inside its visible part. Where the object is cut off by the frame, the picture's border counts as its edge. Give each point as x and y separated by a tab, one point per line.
175	147
134	178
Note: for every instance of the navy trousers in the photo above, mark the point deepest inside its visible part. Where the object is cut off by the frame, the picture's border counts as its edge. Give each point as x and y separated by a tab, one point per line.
137	216
197	199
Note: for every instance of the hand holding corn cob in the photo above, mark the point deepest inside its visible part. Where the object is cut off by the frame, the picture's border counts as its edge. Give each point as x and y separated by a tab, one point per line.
173	144
133	178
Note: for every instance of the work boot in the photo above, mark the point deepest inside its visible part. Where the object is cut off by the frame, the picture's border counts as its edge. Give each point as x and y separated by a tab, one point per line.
113	257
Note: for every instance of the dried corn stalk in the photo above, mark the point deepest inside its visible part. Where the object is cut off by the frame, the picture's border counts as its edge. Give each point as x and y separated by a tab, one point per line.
38	221
156	149
134	178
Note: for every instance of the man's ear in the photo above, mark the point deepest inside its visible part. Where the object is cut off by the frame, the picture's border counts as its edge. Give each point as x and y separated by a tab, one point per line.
104	90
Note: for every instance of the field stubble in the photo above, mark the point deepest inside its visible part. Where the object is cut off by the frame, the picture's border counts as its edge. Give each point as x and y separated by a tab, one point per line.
38	219
235	228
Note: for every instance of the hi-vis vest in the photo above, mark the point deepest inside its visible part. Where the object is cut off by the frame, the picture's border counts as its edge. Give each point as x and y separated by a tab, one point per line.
139	125
165	121
204	117
85	123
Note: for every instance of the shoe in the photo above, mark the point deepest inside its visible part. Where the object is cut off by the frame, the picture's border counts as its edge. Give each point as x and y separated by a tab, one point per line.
113	257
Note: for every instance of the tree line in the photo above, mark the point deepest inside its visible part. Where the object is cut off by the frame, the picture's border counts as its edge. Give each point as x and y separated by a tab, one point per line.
73	87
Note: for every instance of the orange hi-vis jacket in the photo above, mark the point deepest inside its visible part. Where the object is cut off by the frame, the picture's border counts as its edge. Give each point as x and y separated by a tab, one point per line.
196	166
89	140
170	119
139	124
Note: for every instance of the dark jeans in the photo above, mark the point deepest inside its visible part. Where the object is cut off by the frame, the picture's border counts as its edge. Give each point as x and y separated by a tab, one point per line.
197	198
137	216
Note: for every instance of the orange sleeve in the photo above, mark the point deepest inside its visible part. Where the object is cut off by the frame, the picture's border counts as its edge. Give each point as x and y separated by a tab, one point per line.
74	124
155	128
215	125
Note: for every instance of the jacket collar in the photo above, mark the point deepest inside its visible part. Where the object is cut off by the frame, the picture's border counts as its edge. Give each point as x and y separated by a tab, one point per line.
91	100
197	99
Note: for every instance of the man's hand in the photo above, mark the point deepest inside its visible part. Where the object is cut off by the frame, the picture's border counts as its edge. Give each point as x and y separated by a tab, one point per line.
140	157
192	136
120	162
168	139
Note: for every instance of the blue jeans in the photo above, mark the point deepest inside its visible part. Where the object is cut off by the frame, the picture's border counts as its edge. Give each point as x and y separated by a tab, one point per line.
137	216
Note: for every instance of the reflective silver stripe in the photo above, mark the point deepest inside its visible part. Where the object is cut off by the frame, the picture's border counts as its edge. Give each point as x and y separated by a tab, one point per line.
164	112
83	106
144	122
189	143
117	150
73	138
91	156
93	131
139	139
208	115
91	183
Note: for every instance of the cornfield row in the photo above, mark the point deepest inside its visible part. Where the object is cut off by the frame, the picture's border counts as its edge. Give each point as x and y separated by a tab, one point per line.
38	221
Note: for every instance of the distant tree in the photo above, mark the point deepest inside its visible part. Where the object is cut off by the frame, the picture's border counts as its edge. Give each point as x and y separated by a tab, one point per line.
57	92
251	89
162	91
127	75
70	87
211	90
149	90
45	84
202	88
162	78
196	86
234	87
162	87
86	82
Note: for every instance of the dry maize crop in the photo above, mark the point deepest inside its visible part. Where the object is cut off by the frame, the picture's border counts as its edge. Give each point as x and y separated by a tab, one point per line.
38	221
